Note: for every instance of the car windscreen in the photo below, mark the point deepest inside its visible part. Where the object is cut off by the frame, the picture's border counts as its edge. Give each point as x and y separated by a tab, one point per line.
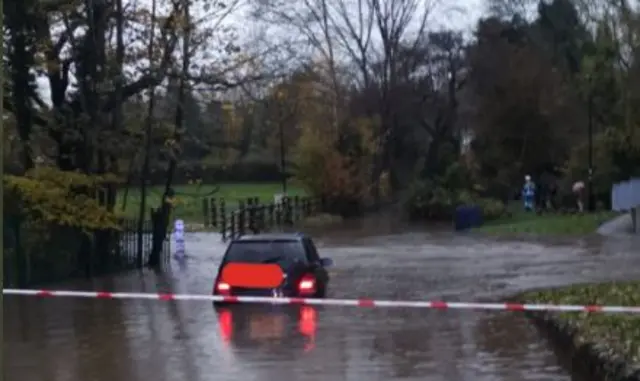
283	252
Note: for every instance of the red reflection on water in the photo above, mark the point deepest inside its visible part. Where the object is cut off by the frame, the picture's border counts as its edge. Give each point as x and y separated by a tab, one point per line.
225	321
307	325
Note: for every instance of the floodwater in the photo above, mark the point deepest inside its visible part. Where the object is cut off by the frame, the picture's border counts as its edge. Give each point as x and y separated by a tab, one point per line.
85	340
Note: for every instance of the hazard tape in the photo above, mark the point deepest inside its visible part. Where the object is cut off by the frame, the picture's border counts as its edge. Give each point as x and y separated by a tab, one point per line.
440	305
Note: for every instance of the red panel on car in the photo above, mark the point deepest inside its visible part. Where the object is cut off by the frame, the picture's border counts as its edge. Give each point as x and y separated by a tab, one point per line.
252	275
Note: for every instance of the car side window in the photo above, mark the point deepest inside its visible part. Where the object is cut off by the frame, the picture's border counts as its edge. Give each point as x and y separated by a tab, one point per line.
312	253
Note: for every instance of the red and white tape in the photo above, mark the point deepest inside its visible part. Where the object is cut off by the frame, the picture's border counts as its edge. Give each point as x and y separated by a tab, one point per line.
440	305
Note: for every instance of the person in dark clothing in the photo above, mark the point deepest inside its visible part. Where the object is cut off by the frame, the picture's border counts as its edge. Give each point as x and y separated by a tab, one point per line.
553	195
541	196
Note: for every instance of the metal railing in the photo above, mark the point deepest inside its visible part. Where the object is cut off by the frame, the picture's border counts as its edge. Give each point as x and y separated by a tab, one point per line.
252	217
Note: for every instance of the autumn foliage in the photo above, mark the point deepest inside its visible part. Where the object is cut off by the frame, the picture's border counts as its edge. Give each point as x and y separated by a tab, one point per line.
342	176
50	196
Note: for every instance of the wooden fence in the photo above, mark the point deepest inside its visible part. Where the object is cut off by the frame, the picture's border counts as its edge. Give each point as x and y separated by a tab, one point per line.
249	216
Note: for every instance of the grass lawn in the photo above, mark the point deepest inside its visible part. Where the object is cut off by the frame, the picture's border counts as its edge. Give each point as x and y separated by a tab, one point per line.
549	224
618	332
189	197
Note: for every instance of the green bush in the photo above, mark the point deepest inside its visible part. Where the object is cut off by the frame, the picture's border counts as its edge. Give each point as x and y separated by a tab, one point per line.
431	201
616	154
491	208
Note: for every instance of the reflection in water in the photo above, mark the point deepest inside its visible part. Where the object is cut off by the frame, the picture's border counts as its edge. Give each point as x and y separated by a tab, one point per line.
307	326
83	339
181	260
225	321
254	326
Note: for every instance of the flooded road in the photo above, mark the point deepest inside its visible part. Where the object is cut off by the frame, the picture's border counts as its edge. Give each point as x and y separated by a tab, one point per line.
81	339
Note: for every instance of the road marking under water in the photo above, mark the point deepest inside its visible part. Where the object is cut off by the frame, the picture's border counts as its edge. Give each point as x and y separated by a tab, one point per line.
439	305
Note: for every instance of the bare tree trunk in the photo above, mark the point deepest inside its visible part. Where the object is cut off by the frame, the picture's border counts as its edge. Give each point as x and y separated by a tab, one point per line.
147	146
162	214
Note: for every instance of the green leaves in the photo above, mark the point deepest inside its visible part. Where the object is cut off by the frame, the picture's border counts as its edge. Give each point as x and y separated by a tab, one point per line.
64	198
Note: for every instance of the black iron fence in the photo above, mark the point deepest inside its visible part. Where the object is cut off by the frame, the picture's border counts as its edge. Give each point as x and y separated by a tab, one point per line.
38	253
127	250
249	216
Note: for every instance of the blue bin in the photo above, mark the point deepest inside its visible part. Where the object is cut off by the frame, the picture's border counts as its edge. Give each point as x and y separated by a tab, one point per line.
467	217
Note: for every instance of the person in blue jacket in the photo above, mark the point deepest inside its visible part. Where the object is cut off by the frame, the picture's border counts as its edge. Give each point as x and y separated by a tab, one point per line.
528	193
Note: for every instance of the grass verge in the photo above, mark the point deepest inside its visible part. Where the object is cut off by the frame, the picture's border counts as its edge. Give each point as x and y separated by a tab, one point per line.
613	334
521	222
189	197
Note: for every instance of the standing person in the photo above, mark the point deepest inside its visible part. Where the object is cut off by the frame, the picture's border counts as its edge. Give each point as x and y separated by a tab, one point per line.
528	193
541	195
578	191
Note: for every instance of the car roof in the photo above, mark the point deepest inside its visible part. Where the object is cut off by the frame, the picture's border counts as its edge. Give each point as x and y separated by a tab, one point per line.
272	237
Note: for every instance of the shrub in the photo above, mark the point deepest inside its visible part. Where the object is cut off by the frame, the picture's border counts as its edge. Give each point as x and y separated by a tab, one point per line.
336	169
491	208
616	155
63	198
433	201
49	217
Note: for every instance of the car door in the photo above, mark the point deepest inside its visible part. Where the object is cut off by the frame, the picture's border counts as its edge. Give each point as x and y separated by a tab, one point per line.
318	270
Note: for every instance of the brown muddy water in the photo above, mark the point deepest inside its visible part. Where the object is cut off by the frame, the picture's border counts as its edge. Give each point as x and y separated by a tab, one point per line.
85	340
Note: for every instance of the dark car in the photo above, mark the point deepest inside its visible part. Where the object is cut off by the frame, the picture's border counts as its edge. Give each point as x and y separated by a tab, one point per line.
303	273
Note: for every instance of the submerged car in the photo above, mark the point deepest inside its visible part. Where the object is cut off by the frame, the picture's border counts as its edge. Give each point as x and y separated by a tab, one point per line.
273	265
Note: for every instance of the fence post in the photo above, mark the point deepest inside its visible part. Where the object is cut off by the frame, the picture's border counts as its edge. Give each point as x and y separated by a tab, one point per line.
223	219
271	215
232	225
296	209
205	211
261	227
279	209
250	215
241	217
287	210
213	207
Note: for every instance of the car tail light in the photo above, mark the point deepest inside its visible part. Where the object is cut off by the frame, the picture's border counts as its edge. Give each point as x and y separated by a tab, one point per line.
222	288
307	285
